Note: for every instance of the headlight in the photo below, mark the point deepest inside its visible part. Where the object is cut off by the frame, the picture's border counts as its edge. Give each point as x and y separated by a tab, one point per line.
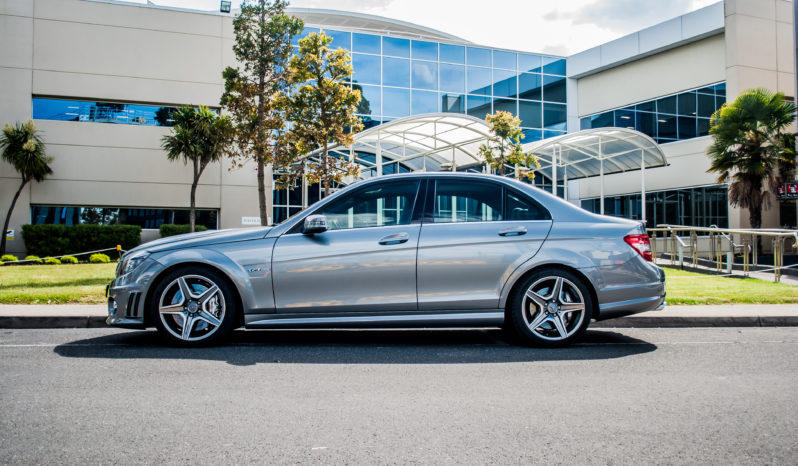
130	263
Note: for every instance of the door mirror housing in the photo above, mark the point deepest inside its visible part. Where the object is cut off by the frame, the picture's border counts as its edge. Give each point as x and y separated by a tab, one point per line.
314	224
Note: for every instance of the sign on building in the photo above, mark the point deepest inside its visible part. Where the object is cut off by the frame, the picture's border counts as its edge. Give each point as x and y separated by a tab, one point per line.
787	191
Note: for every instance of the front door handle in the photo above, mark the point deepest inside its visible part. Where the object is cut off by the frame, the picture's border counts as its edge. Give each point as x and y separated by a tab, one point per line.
513	231
396	238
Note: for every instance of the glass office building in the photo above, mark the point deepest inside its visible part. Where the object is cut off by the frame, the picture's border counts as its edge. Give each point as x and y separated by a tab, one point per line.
399	77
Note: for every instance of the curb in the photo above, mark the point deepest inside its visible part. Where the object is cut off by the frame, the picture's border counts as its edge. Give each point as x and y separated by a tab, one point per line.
41	322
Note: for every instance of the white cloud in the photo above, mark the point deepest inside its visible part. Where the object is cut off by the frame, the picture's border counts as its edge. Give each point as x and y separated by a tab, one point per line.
559	27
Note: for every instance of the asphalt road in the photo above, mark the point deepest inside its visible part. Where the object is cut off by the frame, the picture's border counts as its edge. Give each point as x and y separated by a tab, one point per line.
718	396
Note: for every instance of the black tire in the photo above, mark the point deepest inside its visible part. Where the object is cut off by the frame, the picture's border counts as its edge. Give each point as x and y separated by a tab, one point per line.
211	313
536	317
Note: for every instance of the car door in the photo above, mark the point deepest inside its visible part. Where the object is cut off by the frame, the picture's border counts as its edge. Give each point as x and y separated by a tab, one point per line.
364	262
474	235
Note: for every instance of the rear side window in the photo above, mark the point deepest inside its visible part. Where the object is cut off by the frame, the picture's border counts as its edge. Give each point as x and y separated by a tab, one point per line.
467	201
518	207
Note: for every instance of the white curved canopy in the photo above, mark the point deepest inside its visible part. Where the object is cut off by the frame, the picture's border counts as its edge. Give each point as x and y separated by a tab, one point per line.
429	142
592	152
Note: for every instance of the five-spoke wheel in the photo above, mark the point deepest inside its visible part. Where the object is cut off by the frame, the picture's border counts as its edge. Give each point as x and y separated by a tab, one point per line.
193	307
552	307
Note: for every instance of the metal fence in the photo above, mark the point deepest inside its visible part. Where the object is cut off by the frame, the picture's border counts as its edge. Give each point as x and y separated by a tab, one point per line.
721	245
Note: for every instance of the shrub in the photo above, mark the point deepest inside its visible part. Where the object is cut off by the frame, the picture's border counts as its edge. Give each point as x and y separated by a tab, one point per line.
8	258
69	260
57	240
99	259
51	261
36	259
2	263
170	229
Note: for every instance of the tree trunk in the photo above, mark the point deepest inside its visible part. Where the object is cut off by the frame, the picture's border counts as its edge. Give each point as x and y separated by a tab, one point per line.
326	180
193	209
264	216
8	217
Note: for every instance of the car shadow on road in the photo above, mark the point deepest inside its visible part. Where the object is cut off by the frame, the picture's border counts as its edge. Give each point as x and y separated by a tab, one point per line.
449	346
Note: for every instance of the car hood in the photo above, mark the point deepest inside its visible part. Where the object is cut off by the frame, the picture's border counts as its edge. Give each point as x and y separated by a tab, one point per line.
203	239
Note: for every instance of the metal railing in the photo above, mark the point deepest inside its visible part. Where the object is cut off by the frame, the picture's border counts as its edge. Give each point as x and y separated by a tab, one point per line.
715	243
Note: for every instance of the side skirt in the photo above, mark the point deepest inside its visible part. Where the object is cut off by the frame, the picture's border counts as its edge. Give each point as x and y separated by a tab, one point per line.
487	318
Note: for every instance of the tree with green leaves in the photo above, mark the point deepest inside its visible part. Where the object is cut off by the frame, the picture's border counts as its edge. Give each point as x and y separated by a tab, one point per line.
22	147
263	34
199	137
504	147
751	147
321	107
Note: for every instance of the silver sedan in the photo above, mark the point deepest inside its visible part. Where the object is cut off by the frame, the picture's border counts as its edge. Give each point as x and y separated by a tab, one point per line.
430	249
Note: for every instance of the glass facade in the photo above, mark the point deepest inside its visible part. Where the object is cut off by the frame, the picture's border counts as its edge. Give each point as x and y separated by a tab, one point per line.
102	112
667	119
145	218
399	77
699	207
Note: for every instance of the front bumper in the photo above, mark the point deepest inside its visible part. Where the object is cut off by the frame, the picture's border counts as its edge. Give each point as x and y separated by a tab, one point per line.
125	305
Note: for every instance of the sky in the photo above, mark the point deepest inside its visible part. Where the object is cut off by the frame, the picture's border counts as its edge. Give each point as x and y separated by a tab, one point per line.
560	27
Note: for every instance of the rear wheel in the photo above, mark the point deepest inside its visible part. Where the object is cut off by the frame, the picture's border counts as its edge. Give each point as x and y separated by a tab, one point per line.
193	307
551	308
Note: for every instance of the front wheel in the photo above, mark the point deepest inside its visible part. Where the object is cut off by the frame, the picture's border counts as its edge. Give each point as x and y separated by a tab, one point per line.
551	308
193	307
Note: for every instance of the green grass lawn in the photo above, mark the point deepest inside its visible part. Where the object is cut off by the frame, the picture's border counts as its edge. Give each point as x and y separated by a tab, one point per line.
55	284
85	283
697	288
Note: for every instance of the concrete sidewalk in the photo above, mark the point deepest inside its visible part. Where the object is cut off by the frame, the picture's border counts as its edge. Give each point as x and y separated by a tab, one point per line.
736	315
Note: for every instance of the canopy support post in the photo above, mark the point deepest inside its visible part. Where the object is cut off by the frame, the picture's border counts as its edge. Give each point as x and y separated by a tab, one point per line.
565	178
454	166
643	185
601	174
379	156
554	170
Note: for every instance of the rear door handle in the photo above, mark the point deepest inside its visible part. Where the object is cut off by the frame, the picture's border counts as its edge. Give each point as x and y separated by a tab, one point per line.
513	231
396	238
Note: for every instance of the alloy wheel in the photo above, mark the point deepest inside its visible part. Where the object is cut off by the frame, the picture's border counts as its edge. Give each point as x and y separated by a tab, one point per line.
553	308
192	307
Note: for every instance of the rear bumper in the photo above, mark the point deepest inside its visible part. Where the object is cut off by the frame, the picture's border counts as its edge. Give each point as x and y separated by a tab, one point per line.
641	298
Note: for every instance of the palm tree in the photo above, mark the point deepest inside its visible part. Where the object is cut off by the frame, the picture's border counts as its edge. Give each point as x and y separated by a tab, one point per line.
23	148
751	146
198	137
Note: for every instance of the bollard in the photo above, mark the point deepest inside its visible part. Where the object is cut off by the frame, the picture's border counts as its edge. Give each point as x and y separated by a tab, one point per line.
729	262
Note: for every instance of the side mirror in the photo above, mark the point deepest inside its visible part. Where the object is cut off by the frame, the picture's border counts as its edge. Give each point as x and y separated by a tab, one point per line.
314	224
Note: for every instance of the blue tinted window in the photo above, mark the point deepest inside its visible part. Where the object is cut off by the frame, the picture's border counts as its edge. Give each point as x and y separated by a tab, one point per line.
452	78
504	83
529	86
702	128
553	134
686	103
366	68
478	106
370	100
706	105
102	112
667	105
650	106
478	57
527	62
146	218
554	89
666	127
505	105
395	102
532	135
646	123
396	47
687	127
530	114
624	119
479	80
502	59
452	53
365	43
453	103
424	102
554	116
396	72
425	50
341	39
305	32
425	75
554	66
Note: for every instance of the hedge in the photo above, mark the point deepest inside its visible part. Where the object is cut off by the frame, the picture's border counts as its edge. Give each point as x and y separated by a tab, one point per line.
99	258
57	240
170	229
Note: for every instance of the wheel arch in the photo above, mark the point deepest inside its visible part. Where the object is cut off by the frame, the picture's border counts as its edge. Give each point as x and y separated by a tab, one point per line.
520	279
148	299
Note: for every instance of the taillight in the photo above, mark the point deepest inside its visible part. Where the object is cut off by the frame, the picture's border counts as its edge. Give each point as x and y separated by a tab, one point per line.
641	244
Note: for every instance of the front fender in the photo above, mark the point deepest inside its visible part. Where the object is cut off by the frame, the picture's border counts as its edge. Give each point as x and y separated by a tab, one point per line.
249	273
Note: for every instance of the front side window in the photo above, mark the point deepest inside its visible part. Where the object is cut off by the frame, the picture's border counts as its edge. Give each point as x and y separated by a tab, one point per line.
376	205
467	201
